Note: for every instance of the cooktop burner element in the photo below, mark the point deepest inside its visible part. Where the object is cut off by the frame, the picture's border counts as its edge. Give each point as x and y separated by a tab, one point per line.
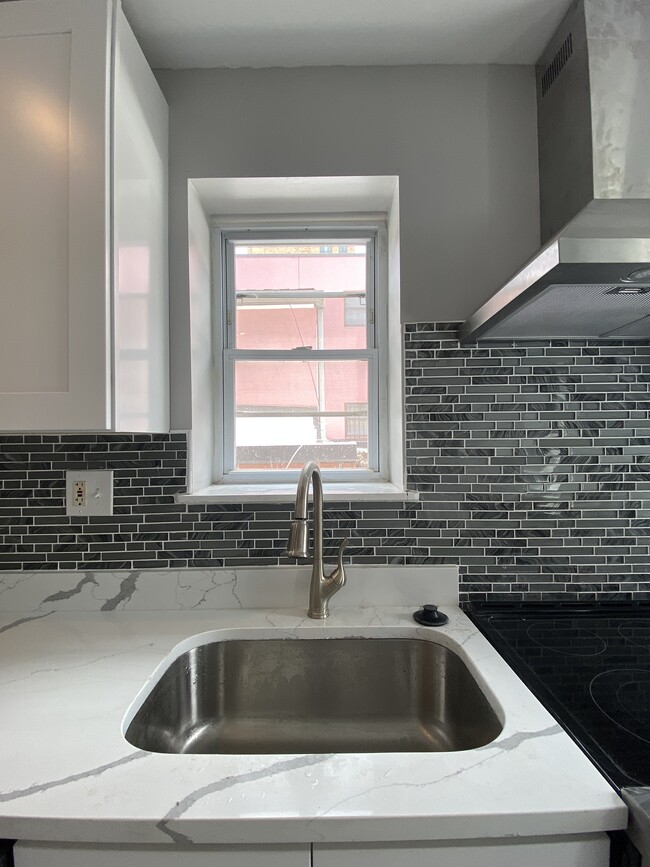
571	639
636	632
590	665
622	695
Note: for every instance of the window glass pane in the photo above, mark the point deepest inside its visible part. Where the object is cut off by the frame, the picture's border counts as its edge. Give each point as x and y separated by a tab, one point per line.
354	311
290	295
289	412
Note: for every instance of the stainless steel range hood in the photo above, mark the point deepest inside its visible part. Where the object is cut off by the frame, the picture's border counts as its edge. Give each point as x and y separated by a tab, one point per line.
592	276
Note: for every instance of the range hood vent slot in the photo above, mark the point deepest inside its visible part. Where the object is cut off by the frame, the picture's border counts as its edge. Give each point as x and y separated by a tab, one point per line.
556	65
628	290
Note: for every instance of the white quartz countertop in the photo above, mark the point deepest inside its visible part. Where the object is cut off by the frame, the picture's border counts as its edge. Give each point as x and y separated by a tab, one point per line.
68	679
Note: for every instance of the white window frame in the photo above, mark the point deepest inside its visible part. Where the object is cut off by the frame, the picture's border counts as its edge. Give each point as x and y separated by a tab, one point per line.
371	228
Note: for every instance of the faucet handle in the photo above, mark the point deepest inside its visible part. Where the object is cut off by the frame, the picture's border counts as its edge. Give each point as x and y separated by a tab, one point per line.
343	544
327	585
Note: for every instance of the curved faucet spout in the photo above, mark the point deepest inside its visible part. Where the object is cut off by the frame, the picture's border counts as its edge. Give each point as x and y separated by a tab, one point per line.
322	586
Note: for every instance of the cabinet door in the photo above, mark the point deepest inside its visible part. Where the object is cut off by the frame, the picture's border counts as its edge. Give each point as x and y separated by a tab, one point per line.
140	296
587	851
54	86
85	855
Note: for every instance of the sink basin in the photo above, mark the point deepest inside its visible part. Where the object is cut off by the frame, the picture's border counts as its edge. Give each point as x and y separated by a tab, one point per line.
335	695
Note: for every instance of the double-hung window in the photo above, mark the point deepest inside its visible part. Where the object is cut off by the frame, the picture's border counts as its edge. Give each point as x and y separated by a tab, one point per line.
300	332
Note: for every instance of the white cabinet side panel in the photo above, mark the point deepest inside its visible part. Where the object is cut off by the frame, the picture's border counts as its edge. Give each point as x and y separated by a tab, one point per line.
206	385
46	855
588	851
54	356
34	135
140	162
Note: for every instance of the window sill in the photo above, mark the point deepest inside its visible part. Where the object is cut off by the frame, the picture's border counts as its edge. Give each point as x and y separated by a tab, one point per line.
369	492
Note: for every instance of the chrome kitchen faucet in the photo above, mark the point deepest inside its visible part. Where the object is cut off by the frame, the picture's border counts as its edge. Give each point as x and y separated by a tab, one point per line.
322	586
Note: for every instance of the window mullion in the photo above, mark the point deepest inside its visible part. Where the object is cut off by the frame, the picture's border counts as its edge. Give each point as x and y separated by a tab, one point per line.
301	354
298	294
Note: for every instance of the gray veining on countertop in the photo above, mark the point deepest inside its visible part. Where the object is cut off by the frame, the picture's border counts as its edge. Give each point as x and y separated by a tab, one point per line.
79	672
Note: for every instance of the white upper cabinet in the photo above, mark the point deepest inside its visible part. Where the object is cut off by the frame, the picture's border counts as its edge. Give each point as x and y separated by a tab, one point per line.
83	222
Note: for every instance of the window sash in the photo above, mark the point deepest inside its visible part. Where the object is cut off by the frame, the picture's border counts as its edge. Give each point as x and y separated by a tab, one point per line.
227	307
230	239
231	356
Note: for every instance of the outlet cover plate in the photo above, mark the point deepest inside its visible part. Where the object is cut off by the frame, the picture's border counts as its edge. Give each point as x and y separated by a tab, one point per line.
99	492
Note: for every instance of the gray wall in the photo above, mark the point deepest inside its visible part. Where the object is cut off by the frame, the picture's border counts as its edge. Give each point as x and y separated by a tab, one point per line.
461	138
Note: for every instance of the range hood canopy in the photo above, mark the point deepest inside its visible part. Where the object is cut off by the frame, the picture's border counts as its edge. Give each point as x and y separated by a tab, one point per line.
592	276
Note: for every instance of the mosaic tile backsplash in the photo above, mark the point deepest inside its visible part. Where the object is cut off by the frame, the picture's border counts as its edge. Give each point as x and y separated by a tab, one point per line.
532	461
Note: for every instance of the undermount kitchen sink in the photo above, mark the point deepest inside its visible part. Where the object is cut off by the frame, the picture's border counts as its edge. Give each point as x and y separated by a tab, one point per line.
336	695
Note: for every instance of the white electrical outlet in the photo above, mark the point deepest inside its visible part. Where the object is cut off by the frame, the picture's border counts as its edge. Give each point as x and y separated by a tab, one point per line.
89	492
79	492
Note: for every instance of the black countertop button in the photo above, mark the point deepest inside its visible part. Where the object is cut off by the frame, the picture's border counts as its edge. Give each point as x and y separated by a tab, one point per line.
429	615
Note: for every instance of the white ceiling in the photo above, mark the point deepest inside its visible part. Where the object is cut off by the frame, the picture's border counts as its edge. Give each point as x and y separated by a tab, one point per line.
259	33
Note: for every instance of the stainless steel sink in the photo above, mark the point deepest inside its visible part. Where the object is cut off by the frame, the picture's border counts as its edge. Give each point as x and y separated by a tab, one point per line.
336	695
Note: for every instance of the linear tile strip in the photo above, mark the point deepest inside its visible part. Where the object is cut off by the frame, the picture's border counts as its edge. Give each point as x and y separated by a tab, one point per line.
532	461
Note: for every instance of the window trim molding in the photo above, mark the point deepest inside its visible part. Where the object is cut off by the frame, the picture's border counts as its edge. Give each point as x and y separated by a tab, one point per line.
323	199
269	227
362	492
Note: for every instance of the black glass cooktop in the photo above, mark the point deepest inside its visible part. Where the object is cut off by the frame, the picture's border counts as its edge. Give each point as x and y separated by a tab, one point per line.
590	666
